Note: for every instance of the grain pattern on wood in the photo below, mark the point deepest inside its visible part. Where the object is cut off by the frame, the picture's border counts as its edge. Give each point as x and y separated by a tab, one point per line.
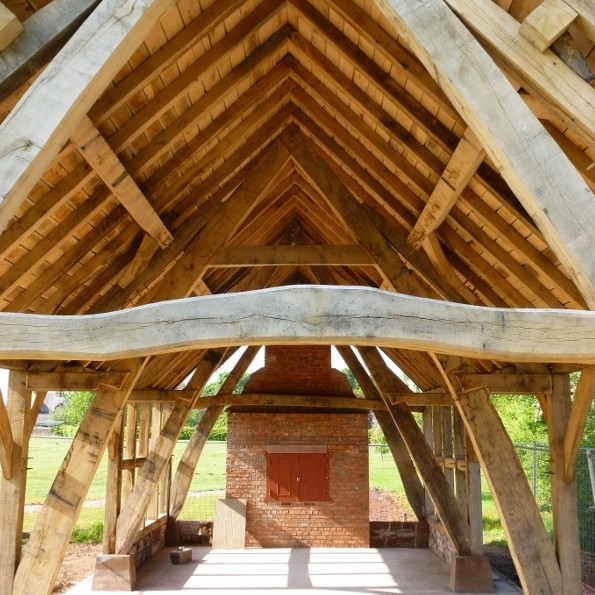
158	458
564	494
85	379
187	465
90	59
12	490
6	441
454	519
45	32
547	22
229	527
51	534
581	405
10	27
508	383
527	538
306	314
534	166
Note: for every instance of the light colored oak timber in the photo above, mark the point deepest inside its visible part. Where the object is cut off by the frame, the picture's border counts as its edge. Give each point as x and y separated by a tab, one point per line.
100	156
507	383
45	32
134	510
529	544
160	396
581	405
89	61
6	441
543	73
433	249
453	517
51	534
178	283
564	495
289	401
180	43
586	16
12	490
546	23
412	485
463	164
323	255
306	314
425	399
187	466
530	161
128	452
210	60
10	27
113	489
75	380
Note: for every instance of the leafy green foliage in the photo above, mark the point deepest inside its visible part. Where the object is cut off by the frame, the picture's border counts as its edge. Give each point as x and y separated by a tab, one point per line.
72	412
353	382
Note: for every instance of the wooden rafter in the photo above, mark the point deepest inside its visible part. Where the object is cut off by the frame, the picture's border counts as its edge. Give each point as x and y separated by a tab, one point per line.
100	156
497	115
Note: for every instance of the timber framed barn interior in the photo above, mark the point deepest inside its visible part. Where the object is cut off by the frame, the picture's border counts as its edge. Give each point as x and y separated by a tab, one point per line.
182	178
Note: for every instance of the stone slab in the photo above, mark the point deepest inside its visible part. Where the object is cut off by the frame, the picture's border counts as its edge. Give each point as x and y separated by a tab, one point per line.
471	574
114	572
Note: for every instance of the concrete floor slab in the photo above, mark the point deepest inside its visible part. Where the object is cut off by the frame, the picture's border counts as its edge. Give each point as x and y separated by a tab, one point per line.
293	571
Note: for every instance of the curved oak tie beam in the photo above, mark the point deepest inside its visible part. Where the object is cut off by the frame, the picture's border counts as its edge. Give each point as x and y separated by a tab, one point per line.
306	314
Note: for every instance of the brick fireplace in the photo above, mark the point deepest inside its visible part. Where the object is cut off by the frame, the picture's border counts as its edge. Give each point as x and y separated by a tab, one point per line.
302	472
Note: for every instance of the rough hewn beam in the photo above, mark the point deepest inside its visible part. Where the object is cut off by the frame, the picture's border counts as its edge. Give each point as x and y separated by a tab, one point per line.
534	166
463	163
306	314
242	256
10	27
135	507
100	156
75	380
546	23
581	404
41	561
508	383
6	441
46	31
70	85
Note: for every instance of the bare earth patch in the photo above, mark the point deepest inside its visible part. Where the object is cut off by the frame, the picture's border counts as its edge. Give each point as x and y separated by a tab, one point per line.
79	563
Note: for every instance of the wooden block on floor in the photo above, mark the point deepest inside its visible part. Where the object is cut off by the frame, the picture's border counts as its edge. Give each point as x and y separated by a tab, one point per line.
471	574
114	572
229	528
180	555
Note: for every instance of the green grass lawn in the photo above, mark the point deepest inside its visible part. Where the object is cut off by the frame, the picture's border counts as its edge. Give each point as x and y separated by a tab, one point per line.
46	455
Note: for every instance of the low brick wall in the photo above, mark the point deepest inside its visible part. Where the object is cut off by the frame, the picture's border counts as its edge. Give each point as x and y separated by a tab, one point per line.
341	522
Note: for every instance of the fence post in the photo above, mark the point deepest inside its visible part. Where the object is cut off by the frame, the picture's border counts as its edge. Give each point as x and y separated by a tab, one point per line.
590	459
534	477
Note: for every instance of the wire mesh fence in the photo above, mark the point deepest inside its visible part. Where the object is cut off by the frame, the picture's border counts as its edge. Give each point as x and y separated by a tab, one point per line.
535	459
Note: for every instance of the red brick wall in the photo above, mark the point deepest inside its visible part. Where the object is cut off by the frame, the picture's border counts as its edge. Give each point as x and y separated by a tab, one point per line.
343	522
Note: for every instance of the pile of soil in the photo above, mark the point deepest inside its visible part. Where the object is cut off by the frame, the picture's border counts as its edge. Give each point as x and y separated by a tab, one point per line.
79	563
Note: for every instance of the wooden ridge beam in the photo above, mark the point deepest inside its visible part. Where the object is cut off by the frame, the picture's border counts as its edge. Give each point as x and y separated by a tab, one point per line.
63	380
100	156
302	314
89	61
45	32
534	166
463	164
581	405
321	255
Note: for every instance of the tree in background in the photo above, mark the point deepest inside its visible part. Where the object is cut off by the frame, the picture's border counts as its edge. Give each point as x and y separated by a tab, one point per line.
71	413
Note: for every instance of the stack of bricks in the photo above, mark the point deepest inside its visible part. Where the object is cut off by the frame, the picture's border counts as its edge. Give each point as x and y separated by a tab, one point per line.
344	520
